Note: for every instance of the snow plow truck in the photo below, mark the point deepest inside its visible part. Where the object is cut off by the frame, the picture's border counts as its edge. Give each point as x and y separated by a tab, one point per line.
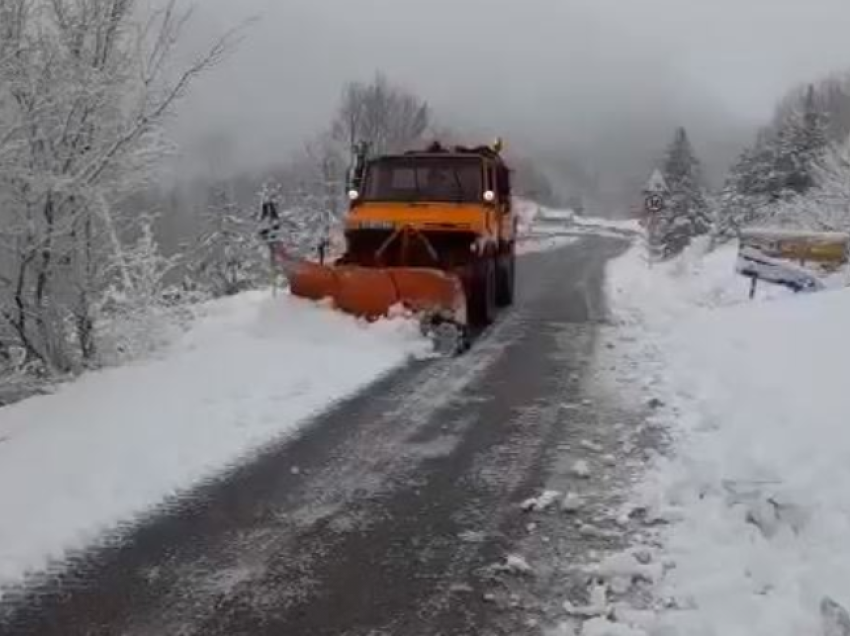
428	232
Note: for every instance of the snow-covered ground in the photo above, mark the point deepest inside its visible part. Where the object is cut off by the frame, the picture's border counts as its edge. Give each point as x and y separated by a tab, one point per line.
542	229
753	488
115	444
543	243
622	225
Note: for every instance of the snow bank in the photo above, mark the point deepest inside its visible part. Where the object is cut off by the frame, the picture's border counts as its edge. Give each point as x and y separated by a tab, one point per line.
631	226
115	444
527	212
535	244
663	294
543	229
757	406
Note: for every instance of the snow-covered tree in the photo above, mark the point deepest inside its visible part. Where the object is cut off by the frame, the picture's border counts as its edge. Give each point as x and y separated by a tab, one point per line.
686	214
746	193
228	257
85	88
778	169
309	197
826	206
829	97
798	143
388	117
131	320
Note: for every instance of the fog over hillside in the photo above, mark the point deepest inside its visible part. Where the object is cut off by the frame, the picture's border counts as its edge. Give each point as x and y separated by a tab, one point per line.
593	88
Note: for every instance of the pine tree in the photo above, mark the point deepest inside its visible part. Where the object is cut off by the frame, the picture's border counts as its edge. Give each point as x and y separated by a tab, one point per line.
799	142
778	167
748	189
687	213
809	139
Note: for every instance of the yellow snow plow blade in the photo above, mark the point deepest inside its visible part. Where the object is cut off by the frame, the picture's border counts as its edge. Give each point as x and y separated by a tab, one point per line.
373	293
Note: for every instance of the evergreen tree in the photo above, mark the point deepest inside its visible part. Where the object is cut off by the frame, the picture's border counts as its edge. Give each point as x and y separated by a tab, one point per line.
778	167
687	213
747	191
805	138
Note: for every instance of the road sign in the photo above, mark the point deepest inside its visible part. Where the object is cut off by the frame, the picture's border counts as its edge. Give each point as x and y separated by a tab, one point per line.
656	184
654	203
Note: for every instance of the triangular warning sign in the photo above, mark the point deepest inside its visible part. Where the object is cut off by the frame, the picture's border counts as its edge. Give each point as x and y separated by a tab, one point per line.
656	183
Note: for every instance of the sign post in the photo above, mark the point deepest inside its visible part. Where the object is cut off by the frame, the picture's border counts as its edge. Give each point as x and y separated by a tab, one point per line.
655	201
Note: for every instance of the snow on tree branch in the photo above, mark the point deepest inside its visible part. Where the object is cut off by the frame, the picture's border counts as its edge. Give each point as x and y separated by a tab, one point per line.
85	90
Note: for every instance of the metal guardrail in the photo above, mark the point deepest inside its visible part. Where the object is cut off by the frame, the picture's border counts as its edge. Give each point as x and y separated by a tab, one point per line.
757	266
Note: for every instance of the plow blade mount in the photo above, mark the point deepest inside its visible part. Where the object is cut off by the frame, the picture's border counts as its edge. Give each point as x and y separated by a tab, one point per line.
373	292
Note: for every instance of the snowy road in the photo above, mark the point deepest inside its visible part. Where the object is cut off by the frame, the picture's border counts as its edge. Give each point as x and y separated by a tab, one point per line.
385	516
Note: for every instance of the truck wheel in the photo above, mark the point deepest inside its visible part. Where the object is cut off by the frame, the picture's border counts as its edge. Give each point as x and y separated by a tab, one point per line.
482	293
491	290
507	277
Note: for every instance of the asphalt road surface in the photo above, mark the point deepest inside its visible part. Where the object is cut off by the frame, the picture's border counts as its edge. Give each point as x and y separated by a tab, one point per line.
392	513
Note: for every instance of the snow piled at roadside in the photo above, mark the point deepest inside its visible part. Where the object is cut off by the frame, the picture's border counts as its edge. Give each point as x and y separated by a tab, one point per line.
624	225
115	444
754	488
543	229
536	244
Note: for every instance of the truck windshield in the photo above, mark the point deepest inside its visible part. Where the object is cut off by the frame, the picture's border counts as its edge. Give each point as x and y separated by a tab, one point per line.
439	179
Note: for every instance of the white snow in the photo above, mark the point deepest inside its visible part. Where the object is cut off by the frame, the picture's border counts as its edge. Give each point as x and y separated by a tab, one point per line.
560	216
572	502
597	603
517	564
626	566
756	403
543	229
587	444
581	469
527	212
629	226
541	503
115	444
534	244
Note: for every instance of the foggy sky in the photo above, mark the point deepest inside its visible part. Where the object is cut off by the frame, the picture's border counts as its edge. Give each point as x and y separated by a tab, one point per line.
600	78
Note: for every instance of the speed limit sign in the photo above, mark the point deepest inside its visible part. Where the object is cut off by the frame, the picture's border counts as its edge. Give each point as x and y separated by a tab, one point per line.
654	203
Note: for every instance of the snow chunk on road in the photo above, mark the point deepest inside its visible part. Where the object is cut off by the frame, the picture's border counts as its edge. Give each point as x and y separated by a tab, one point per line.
572	502
597	604
627	566
581	469
515	564
116	443
541	503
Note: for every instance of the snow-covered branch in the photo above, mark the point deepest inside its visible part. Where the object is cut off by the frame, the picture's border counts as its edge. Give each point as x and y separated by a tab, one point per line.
85	89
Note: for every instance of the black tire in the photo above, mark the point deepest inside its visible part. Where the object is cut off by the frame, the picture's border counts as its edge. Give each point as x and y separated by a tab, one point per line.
491	290
507	280
481	293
